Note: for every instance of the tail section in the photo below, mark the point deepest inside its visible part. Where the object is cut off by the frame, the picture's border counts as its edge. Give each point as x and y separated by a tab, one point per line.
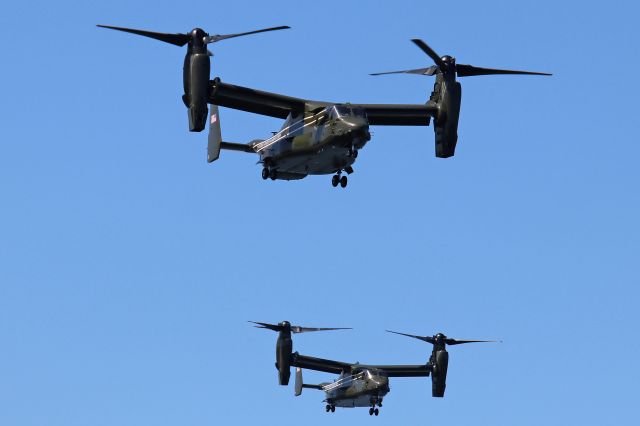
299	385
215	143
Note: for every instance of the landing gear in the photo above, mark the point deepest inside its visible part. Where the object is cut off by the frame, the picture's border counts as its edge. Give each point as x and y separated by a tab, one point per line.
338	179
273	174
373	410
265	173
331	408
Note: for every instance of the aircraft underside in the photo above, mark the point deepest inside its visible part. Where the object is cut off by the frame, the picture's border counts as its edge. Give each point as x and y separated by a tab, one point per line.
335	156
359	401
329	159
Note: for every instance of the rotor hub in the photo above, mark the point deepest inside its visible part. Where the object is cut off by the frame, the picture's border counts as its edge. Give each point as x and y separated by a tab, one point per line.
197	36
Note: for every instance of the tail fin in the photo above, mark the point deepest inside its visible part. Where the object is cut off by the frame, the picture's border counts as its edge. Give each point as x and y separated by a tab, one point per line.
298	387
215	134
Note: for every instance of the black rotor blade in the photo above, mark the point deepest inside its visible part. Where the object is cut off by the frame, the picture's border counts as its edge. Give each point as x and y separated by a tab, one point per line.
218	37
298	329
429	51
273	327
176	39
460	342
470	70
427	339
420	71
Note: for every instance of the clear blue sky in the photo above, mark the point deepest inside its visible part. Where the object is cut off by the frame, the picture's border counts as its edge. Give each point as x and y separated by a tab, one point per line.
129	266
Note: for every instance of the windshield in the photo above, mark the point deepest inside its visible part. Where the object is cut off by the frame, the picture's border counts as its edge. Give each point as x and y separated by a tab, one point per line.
348	111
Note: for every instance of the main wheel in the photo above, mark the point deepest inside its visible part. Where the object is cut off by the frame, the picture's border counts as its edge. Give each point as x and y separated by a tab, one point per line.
371	411
376	411
343	181
333	408
265	173
335	180
328	408
273	174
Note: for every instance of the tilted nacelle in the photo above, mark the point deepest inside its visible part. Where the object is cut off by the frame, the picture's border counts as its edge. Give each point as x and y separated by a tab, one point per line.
284	347
197	67
439	365
447	94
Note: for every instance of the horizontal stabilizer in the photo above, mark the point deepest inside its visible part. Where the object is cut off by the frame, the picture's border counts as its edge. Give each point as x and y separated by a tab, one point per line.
301	385
232	146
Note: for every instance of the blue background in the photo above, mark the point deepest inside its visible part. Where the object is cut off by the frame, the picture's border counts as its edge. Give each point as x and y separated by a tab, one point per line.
129	266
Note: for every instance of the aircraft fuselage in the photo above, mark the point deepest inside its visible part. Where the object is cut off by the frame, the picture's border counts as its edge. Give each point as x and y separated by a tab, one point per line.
365	388
316	143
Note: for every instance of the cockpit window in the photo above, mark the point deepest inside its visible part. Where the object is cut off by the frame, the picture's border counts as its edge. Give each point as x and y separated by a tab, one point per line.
344	110
359	112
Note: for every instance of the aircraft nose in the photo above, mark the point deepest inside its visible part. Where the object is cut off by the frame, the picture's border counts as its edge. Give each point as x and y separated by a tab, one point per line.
381	382
355	126
354	122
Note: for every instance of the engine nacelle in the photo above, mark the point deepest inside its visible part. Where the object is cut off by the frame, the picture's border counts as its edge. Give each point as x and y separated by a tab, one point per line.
448	95
439	373
197	67
284	347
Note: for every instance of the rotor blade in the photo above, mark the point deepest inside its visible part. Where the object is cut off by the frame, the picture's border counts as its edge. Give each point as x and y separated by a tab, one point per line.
218	37
470	70
298	329
429	51
176	39
460	342
427	339
420	71
273	327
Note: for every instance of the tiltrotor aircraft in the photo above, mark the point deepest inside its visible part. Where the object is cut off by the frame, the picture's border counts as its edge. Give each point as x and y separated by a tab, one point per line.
317	138
358	385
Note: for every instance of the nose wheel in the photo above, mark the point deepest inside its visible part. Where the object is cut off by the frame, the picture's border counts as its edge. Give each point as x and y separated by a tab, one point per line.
337	179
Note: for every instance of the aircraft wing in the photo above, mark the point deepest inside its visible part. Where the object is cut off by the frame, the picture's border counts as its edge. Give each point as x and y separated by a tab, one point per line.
319	364
399	114
337	367
279	106
402	370
255	101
